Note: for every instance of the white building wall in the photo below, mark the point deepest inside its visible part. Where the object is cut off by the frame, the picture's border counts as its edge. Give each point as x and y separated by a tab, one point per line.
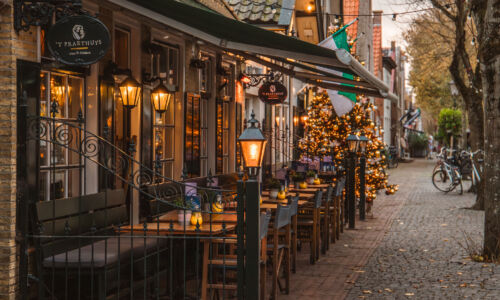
387	122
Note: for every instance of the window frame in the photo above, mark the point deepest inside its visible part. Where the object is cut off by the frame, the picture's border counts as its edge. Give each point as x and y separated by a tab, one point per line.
49	167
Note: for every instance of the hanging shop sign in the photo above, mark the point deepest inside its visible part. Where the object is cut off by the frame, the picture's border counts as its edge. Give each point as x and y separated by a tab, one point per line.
272	92
78	40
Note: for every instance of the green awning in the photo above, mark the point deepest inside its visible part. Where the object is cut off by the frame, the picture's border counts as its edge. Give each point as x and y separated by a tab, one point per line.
248	39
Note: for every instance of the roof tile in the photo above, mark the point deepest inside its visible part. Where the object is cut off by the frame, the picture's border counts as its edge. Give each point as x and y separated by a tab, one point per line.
257	11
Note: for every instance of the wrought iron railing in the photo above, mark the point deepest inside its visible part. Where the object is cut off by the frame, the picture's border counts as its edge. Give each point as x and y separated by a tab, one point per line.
97	245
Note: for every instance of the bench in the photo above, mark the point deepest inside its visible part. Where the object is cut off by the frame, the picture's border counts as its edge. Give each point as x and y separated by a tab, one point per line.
79	236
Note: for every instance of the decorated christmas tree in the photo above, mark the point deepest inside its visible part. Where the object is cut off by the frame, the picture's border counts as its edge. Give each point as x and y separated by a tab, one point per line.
326	135
320	116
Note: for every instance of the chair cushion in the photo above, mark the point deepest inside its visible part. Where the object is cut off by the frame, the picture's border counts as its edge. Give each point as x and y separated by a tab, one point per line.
104	252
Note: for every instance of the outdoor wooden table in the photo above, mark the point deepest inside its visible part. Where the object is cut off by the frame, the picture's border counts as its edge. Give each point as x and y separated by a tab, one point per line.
312	186
164	228
227	217
308	190
283	203
306	196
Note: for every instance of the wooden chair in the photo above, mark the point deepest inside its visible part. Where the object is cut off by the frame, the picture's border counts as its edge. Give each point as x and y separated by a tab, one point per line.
309	226
223	259
294	204
279	250
326	216
339	207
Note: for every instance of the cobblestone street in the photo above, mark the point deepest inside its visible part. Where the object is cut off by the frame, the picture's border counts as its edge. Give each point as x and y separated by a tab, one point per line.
420	257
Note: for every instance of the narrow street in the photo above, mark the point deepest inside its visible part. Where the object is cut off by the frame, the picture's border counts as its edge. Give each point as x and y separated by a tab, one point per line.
420	257
410	249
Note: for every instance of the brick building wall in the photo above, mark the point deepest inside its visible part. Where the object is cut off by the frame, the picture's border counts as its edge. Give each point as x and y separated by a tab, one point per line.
12	47
351	10
377	63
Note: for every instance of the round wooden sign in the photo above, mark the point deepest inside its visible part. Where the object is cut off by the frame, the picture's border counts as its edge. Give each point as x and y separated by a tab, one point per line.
273	92
78	40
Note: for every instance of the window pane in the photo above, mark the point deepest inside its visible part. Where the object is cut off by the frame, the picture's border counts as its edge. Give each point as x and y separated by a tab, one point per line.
74	183
122	49
44	89
163	63
173	58
58	185
58	95
75	96
159	144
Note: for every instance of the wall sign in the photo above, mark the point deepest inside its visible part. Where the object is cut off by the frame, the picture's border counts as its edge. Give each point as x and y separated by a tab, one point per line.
272	92
78	40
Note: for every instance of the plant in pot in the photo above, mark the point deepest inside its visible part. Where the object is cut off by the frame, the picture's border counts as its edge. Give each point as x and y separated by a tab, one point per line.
183	209
310	176
274	186
298	179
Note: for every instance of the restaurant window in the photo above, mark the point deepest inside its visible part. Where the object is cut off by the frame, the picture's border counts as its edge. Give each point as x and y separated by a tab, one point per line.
205	91
164	62
164	130
192	142
122	48
60	168
278	133
239	130
225	95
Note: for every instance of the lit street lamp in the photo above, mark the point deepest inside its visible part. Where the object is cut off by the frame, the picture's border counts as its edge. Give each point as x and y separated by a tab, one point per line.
130	91
160	98
252	144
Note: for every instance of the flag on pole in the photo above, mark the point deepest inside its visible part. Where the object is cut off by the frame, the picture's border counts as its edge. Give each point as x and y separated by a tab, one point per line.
342	102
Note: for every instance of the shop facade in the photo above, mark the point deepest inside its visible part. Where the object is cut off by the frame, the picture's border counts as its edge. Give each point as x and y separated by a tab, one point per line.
195	136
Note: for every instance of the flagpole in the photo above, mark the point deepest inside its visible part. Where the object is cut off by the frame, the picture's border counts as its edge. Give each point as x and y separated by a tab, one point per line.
345	26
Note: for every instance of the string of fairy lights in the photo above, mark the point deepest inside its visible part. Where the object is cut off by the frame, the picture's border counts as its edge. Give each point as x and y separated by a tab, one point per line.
310	8
326	133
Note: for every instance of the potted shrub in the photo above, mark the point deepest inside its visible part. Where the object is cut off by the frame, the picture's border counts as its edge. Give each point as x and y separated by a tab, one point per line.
274	185
310	176
183	209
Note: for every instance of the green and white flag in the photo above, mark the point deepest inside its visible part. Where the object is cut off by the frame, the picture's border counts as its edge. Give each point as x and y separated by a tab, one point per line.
342	102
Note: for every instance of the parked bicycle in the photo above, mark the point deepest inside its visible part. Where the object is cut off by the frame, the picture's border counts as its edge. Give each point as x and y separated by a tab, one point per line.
471	167
446	176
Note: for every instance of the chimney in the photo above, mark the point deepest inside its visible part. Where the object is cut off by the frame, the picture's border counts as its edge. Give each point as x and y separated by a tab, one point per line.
393	46
377	43
377	17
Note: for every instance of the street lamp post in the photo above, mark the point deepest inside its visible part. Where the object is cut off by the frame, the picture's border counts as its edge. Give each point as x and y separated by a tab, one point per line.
363	141
353	144
252	143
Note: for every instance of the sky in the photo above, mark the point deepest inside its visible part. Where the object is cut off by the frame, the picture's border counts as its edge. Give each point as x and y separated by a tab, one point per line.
392	30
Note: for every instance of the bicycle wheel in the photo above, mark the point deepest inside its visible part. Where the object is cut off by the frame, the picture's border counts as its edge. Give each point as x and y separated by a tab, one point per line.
442	181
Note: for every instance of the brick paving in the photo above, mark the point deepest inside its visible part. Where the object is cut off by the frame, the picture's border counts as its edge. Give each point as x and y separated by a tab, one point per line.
408	250
334	274
421	257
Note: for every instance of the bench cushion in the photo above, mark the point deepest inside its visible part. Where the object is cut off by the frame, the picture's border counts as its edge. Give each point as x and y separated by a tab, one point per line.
100	253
